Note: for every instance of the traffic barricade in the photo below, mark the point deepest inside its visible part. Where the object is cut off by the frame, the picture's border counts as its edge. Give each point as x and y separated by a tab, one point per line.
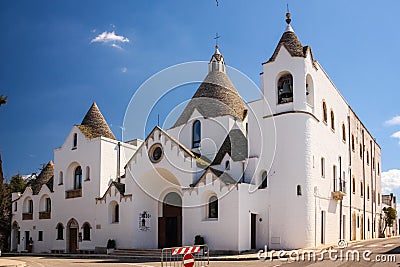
190	256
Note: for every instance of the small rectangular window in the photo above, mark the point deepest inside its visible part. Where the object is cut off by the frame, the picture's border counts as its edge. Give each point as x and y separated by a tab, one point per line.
40	237
15	206
323	167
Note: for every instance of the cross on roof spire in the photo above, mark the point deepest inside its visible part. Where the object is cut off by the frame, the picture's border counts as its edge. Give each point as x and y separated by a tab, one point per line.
216	40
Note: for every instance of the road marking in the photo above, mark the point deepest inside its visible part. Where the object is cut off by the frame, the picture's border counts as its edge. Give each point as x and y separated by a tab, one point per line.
358	246
388	245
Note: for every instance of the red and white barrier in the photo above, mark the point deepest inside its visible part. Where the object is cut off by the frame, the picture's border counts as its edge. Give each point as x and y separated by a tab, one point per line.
185	250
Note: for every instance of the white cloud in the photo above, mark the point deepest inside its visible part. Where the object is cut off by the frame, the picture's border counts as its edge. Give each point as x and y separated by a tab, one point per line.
116	46
390	181
124	69
109	37
393	121
396	135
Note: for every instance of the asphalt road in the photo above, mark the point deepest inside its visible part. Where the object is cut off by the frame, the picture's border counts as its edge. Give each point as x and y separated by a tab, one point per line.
381	252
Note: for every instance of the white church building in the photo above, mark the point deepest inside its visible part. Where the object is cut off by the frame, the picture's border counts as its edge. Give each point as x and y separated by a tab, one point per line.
293	169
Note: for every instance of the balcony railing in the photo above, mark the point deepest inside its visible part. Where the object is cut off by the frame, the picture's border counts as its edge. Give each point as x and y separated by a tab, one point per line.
73	193
27	216
44	215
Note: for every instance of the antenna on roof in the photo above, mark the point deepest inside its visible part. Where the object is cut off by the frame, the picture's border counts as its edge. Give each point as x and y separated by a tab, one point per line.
158	120
287	8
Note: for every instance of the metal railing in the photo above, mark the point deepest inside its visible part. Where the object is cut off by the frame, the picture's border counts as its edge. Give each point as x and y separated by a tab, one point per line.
174	257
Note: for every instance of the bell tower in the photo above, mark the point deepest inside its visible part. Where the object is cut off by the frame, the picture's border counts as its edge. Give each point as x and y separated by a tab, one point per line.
285	80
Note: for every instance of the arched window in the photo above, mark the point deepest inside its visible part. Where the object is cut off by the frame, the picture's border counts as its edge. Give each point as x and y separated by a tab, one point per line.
75	142
60	231
86	231
332	120
378	169
227	165
48	204
78	178
285	89
368	192
196	134
299	190
213	207
361	150
114	212
354	185
343	132
353	147
30	206
324	112
264	180
367	157
61	178
87	173
310	90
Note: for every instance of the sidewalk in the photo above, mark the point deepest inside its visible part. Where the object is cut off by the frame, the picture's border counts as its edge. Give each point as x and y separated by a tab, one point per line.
11	263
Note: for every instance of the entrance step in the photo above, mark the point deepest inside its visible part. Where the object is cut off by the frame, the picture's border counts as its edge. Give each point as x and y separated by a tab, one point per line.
138	253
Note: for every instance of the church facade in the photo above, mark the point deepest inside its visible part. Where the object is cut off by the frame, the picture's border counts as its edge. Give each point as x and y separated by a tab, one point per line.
293	169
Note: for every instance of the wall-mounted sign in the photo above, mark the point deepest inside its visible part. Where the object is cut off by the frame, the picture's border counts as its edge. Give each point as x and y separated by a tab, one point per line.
144	221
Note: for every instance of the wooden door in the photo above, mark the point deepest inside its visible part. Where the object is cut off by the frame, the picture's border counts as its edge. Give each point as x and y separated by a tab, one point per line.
253	231
162	238
73	240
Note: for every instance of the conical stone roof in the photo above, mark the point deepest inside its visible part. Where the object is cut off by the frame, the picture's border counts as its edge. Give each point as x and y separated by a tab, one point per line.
94	125
292	44
45	177
215	97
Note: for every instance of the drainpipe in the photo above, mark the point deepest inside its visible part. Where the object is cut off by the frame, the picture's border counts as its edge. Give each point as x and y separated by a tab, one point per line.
350	178
372	187
119	163
363	189
341	201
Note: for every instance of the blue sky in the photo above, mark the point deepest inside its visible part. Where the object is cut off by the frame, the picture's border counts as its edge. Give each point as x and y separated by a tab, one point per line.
52	66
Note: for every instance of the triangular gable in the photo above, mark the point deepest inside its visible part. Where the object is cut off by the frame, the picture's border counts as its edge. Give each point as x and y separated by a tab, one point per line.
188	152
217	174
120	188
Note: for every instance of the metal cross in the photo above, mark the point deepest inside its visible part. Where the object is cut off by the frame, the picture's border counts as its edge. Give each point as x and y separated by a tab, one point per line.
216	38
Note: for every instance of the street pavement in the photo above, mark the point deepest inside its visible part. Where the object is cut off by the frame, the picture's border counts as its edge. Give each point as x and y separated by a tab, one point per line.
371	253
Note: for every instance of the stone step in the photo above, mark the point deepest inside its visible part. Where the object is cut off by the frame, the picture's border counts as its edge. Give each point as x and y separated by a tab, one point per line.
138	252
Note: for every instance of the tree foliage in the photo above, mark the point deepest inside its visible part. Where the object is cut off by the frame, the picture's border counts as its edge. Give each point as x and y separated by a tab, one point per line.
5	210
389	217
3	100
17	183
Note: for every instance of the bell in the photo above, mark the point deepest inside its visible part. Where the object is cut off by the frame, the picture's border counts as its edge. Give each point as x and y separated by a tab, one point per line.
286	90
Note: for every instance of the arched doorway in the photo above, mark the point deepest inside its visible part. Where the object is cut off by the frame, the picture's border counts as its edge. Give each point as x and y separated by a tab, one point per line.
170	224
15	237
72	236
